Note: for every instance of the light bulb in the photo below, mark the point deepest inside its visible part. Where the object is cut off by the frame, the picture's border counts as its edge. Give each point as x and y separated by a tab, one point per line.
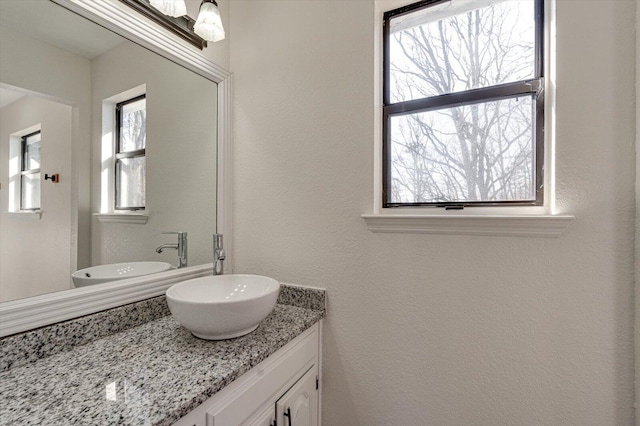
175	8
209	24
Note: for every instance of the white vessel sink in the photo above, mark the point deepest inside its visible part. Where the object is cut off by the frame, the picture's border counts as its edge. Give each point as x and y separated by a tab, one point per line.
222	306
116	271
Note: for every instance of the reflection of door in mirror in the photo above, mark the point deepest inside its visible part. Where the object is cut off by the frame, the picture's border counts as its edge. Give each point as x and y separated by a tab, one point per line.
28	237
67	75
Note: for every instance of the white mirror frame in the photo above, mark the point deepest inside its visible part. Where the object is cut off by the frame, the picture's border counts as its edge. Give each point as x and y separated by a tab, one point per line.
25	314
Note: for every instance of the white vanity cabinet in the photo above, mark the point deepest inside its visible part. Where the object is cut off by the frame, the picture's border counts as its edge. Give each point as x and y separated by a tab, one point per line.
282	390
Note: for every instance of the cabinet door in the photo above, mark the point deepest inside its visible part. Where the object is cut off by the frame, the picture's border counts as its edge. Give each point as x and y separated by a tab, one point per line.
299	406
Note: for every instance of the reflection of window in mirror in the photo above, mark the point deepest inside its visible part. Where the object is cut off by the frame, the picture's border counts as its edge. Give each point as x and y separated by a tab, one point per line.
30	171
24	170
123	158
130	160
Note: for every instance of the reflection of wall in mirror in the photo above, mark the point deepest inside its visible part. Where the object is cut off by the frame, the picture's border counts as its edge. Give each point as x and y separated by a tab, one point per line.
37	256
181	157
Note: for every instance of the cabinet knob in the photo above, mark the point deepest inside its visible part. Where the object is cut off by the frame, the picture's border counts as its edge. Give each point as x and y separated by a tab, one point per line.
287	414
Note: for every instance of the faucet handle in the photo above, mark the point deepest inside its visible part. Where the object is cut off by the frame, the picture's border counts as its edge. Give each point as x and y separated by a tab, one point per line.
219	255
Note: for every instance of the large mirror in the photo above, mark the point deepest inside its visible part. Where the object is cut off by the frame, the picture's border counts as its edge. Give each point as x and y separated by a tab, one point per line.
71	196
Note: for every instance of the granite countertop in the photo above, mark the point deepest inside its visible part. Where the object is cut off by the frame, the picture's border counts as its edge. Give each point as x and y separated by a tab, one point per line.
151	374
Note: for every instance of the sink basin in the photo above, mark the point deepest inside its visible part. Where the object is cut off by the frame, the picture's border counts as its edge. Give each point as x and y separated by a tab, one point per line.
222	306
116	271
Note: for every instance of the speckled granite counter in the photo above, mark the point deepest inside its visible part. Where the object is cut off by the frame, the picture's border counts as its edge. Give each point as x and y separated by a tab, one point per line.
151	374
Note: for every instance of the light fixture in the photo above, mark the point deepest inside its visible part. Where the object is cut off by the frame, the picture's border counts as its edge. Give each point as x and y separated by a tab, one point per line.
209	24
173	8
172	15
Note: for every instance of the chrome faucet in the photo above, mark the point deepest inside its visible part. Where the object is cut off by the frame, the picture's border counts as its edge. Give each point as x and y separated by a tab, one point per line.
181	247
218	255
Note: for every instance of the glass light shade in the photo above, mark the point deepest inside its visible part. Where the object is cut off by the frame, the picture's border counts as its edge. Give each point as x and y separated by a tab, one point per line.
173	8
209	24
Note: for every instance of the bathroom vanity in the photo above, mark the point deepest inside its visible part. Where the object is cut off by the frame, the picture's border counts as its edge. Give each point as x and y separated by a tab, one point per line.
134	364
282	390
158	373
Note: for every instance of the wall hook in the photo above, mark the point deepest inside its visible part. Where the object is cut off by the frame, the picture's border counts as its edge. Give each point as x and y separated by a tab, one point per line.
55	178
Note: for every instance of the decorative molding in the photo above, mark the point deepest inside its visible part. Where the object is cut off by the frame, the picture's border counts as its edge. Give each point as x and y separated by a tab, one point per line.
25	215
135	218
25	314
548	226
224	206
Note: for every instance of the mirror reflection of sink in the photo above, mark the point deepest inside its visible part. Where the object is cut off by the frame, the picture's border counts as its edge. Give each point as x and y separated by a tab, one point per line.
222	306
116	271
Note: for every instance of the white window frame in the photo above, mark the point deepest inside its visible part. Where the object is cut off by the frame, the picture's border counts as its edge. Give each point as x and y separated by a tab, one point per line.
529	221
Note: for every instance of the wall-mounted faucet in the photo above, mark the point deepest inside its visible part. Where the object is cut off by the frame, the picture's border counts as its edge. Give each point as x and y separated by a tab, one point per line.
181	247
218	255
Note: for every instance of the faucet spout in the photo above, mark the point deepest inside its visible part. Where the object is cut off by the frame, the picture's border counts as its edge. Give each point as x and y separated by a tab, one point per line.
181	247
164	247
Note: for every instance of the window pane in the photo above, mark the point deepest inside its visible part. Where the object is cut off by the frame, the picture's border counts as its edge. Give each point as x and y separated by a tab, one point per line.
131	176
133	126
453	47
478	152
30	193
31	159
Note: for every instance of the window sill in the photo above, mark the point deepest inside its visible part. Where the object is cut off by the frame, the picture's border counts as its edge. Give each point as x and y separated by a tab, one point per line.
135	218
542	225
26	215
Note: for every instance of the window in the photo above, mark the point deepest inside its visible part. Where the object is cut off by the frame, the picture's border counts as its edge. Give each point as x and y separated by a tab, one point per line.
130	163
463	107
30	171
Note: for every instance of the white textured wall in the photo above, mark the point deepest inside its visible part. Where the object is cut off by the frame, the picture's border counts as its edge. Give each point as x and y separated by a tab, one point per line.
181	150
36	254
432	329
